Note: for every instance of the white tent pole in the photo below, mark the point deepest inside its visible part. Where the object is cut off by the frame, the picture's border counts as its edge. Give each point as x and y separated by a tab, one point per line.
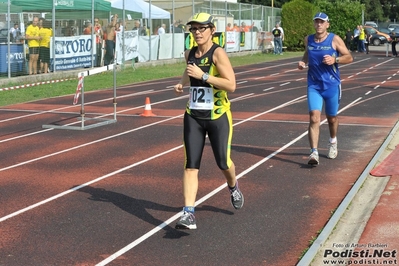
150	18
93	41
9	38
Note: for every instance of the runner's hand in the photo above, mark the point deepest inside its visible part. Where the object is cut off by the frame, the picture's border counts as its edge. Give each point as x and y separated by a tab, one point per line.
194	71
301	65
178	88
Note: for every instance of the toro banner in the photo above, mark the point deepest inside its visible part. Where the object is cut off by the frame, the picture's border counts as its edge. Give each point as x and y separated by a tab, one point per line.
73	52
131	45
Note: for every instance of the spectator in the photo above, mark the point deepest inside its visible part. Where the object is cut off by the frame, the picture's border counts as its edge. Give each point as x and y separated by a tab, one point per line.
236	28
88	28
161	29
99	33
367	41
110	41
70	29
181	26
176	28
171	26
40	24
45	33
229	27
147	30
348	39
356	34
122	25
156	30
246	28
15	33
278	34
362	37
58	31
395	39
33	38
142	30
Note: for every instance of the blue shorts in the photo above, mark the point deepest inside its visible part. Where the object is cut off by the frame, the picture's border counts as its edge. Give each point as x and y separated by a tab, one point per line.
330	96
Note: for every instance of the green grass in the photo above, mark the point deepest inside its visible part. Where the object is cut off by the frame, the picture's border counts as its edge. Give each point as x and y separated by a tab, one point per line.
125	76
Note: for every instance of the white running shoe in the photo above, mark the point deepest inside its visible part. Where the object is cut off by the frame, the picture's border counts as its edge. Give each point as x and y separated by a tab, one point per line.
314	158
332	150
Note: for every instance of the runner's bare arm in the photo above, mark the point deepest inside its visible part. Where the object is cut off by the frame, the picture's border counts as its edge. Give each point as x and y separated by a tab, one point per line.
304	61
226	79
345	56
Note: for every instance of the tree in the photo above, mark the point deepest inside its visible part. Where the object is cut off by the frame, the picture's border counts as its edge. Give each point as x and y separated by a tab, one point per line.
343	15
373	11
296	19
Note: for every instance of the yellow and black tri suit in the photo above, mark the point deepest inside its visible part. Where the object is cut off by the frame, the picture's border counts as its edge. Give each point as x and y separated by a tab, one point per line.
207	112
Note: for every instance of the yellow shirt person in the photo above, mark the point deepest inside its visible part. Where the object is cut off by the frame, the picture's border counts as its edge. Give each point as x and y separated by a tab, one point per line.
46	34
33	31
33	37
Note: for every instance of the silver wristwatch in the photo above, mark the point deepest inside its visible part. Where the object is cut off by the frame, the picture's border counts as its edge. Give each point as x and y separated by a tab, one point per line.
205	77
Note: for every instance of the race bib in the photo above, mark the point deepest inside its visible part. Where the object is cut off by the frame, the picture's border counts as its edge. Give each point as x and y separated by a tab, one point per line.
201	98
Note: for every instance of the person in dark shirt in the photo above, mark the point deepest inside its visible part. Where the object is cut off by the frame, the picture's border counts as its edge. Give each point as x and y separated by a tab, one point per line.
137	26
349	39
395	39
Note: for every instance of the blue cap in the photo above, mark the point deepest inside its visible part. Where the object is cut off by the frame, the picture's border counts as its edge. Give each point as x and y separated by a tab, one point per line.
321	16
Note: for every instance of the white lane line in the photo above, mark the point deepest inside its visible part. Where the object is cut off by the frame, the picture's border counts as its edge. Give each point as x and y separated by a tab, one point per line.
100	116
120	170
2	219
209	195
141	239
86	144
268	89
123	96
67	107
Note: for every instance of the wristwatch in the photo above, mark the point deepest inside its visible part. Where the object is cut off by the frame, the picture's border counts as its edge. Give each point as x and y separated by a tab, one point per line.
337	60
205	77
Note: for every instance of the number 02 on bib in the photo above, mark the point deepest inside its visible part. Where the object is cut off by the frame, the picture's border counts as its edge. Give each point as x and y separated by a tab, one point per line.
201	98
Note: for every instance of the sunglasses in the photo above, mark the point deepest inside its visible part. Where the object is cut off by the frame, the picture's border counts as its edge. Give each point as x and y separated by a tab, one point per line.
200	29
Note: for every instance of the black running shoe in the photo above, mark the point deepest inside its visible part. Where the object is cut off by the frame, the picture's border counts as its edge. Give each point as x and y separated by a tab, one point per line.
237	199
187	221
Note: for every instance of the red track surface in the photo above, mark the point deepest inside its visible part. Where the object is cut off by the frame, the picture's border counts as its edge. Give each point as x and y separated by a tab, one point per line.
112	194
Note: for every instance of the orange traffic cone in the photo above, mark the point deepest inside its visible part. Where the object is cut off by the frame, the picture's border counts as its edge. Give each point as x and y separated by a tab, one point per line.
147	108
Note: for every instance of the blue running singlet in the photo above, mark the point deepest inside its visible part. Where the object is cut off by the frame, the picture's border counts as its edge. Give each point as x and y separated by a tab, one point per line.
324	81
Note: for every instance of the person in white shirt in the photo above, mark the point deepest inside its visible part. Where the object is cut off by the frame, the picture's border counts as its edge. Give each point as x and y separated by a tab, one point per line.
14	32
161	30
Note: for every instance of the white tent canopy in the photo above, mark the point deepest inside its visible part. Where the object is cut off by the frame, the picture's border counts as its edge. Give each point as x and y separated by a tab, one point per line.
142	7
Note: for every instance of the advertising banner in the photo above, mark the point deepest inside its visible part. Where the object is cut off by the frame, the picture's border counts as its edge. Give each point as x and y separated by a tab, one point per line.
131	47
73	52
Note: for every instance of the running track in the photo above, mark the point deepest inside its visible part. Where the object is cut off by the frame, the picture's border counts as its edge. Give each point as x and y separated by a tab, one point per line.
111	195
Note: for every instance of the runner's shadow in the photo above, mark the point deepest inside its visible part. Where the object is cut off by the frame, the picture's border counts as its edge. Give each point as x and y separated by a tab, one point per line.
263	153
139	208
